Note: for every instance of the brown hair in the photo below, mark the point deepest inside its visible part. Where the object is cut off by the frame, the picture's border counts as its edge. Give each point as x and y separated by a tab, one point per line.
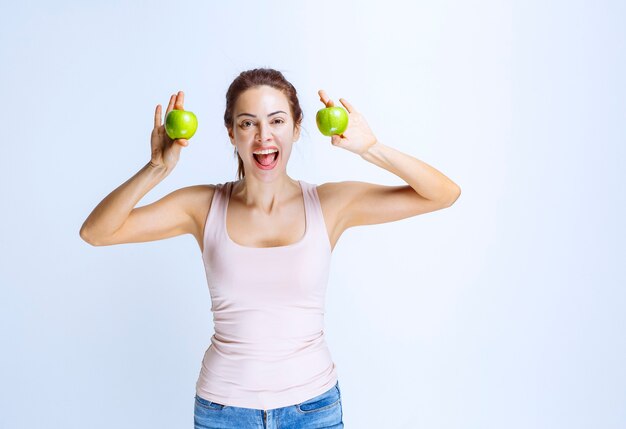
251	79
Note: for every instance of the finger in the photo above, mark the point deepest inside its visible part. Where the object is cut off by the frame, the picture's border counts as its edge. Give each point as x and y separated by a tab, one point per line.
180	98
349	107
322	95
157	116
324	98
170	106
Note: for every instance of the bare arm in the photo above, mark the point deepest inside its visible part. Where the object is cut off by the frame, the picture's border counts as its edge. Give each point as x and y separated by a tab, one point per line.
364	203
114	209
161	218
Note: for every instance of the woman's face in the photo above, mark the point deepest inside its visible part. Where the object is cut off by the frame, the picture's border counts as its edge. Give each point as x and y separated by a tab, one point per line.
262	119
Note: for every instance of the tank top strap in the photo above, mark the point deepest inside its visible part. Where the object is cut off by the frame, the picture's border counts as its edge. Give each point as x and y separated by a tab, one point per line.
314	211
215	218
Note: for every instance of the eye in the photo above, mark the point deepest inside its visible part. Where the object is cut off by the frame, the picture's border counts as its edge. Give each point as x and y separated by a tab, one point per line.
243	124
280	120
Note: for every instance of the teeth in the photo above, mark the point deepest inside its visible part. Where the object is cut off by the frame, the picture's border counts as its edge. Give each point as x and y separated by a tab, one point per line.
265	152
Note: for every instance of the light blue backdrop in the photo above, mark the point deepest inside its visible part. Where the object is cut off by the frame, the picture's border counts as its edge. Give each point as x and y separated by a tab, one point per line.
505	310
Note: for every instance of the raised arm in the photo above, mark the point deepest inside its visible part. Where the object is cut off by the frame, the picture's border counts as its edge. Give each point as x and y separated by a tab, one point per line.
116	211
365	203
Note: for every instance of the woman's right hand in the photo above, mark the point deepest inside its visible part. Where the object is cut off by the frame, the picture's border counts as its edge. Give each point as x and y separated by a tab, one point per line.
166	151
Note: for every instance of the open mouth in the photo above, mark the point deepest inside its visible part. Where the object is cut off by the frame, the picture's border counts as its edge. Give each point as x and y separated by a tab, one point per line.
266	162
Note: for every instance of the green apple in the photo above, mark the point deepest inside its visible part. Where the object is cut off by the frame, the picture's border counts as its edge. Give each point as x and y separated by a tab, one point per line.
332	120
181	124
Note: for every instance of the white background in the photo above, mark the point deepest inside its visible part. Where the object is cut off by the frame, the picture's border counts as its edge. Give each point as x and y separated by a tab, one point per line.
505	310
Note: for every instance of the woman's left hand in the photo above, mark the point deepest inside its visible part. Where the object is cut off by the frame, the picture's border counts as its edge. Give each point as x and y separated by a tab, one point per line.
358	137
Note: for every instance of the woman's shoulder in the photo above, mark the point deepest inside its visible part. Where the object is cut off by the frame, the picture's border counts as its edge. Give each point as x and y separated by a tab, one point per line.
329	190
199	199
331	196
200	191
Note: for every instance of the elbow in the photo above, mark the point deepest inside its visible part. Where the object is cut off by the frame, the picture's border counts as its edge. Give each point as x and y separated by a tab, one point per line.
86	238
454	196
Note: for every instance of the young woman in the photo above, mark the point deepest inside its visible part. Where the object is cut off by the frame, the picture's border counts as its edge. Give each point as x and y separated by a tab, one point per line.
266	241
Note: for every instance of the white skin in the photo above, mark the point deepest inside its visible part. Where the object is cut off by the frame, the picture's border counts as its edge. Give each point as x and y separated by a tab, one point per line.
264	189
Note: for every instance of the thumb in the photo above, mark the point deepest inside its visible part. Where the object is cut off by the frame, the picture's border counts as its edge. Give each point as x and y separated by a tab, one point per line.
182	142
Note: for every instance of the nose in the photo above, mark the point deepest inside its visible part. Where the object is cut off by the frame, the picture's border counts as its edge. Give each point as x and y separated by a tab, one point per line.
265	133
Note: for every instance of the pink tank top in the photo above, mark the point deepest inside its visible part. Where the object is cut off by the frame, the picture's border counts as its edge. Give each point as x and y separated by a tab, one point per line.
268	350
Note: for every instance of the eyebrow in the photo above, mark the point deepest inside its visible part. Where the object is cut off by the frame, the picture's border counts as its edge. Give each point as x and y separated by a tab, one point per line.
250	114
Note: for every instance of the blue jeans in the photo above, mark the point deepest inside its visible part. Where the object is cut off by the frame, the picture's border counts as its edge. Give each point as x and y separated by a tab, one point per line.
322	411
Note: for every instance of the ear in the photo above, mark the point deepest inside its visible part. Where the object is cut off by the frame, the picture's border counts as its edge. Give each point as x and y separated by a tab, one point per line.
231	136
296	133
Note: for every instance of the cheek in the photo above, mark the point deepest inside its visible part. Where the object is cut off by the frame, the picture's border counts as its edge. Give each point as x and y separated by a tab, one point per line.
287	138
244	136
285	153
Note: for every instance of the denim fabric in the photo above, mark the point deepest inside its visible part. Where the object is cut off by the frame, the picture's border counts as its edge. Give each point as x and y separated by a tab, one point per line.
322	411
